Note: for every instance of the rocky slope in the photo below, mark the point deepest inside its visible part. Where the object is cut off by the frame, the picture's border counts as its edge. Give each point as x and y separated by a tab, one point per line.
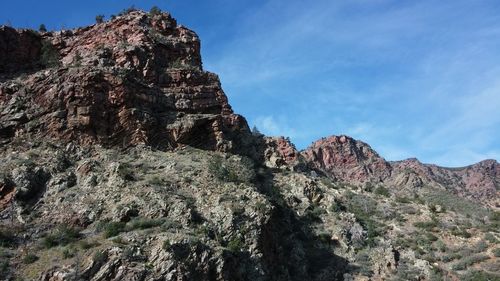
122	160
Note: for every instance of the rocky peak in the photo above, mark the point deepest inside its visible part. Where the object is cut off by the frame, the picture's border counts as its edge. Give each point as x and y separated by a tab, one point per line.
347	159
136	79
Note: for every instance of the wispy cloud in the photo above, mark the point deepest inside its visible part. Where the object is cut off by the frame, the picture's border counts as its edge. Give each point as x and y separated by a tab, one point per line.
412	79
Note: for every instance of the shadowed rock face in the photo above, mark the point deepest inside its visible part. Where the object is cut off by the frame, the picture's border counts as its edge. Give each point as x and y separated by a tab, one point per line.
135	80
19	50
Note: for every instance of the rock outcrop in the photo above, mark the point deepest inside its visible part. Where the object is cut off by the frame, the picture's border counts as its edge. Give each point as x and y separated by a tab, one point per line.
137	79
347	159
279	152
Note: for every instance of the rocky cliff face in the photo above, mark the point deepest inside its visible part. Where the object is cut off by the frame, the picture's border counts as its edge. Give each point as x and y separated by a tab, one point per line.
347	159
135	80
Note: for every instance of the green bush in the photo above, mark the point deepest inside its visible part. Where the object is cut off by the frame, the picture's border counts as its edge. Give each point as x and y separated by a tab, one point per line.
468	261
380	190
427	225
114	228
490	238
100	257
68	253
99	18
479	276
460	232
403	200
62	236
144	223
85	245
337	207
235	245
314	213
49	56
217	168
30	258
166	245
7	238
496	252
155	10
42	28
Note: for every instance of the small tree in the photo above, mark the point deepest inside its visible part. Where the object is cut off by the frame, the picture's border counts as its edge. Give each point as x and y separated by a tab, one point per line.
256	131
155	10
99	19
42	28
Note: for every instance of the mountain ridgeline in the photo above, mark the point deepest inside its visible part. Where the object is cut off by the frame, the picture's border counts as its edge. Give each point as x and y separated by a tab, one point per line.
123	160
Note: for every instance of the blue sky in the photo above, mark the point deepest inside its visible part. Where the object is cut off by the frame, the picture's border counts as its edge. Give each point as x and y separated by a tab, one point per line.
411	78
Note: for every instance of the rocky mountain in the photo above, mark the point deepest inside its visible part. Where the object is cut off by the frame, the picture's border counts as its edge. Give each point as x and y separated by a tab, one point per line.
352	161
123	160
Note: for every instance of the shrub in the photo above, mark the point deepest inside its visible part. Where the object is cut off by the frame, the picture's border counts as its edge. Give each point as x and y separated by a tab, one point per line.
219	169
496	252
479	276
126	171
235	245
468	261
100	257
119	240
166	245
314	213
42	28
49	56
99	18
30	258
144	223
85	245
155	10
128	10
382	191
114	228
441	246
62	236
428	225
460	232
7	238
336	207
404	200
68	253
490	238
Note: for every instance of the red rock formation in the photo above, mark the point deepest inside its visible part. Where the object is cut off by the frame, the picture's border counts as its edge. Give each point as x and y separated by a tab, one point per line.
137	79
347	159
279	152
